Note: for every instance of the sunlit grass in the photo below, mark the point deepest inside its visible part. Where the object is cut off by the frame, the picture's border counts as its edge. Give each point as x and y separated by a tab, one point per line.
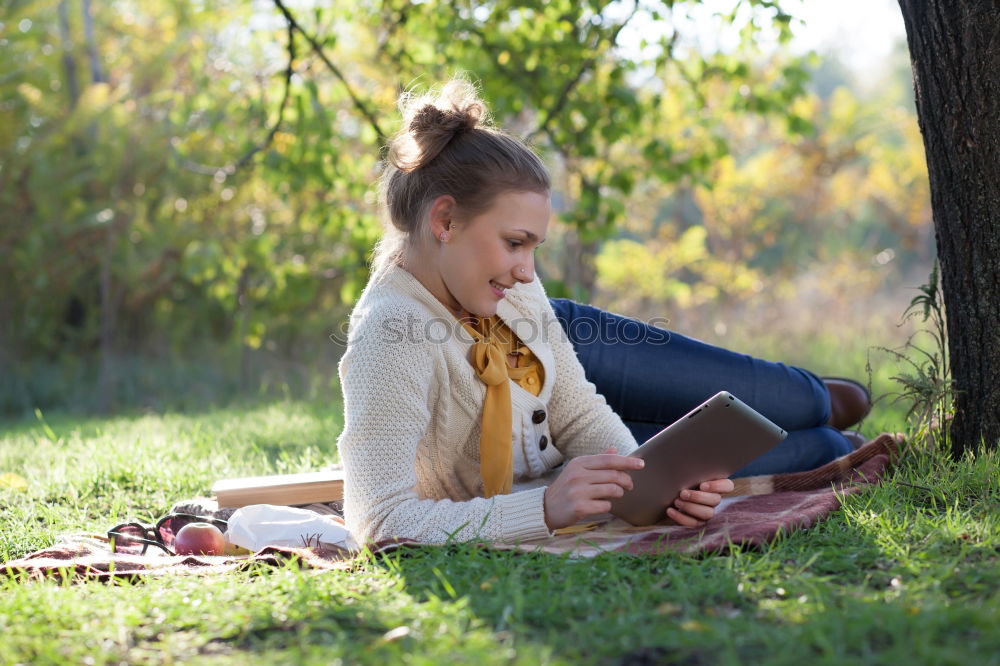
907	572
82	469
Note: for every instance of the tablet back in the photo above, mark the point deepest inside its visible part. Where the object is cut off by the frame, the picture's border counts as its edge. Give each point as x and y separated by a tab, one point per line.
712	441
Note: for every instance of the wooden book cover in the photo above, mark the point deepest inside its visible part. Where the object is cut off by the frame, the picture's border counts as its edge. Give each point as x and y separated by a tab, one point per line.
283	489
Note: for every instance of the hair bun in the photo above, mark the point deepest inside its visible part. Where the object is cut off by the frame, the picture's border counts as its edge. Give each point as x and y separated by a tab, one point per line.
447	147
431	121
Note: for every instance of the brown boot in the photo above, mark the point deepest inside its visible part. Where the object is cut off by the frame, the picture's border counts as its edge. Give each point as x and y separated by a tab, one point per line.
849	402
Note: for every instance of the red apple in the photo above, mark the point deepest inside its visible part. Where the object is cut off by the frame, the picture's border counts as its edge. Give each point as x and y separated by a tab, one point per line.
199	539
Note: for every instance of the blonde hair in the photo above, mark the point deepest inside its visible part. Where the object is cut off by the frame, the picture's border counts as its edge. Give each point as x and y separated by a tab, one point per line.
447	146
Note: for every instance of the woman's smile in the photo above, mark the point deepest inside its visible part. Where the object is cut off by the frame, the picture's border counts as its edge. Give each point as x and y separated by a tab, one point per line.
498	289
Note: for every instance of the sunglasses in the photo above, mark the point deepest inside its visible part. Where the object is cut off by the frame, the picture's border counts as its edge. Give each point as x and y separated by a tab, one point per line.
134	538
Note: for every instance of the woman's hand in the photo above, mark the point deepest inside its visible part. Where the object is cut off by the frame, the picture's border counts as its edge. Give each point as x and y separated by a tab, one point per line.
586	487
694	507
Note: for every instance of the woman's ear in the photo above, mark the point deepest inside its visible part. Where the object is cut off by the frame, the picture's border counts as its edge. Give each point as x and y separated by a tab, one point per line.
441	216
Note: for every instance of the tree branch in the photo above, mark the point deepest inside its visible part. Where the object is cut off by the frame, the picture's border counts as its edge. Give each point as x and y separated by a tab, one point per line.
358	104
573	82
230	169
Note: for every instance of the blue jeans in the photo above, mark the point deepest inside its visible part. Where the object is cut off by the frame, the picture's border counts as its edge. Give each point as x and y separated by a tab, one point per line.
651	377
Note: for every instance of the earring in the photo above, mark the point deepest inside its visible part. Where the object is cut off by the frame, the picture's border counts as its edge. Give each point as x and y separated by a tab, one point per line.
444	236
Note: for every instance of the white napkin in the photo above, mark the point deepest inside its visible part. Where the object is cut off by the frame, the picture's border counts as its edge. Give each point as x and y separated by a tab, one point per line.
259	525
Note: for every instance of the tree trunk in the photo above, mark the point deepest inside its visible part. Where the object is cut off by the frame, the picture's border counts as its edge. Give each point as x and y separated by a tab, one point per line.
579	271
109	302
244	311
88	30
69	62
106	370
955	54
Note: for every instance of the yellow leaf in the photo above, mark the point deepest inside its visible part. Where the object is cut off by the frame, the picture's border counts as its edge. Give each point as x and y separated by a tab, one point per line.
668	608
30	93
13	481
252	340
95	96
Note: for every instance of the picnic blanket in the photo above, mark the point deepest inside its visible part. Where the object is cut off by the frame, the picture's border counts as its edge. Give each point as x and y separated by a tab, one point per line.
758	509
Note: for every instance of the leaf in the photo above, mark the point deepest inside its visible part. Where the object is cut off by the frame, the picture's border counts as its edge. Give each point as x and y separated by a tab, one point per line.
13	481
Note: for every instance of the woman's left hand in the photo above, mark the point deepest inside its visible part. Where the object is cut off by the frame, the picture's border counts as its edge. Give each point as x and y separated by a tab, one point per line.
694	507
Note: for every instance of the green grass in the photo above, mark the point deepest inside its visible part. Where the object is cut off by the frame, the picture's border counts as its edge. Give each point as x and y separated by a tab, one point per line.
907	572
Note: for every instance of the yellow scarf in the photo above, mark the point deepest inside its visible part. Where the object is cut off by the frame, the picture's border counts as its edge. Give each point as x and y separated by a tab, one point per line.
496	443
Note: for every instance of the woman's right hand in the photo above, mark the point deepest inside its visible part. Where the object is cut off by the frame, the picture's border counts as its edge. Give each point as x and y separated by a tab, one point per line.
587	486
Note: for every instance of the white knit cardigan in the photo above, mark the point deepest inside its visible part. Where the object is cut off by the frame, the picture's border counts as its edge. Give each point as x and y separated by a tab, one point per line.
412	411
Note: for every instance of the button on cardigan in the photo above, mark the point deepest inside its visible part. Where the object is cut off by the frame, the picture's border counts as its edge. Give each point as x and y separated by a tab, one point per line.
412	417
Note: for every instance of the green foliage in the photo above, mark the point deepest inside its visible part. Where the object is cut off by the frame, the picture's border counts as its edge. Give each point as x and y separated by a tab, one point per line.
810	224
123	220
201	175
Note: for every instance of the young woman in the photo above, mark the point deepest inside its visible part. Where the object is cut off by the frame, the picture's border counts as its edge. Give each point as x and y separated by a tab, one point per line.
468	413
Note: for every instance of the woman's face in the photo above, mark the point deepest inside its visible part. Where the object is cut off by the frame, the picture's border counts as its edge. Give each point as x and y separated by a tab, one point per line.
493	251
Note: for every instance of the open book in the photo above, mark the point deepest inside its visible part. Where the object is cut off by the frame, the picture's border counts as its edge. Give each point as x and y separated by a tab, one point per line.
286	489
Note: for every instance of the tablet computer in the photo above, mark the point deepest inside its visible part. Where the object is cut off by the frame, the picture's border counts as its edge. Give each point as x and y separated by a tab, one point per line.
715	439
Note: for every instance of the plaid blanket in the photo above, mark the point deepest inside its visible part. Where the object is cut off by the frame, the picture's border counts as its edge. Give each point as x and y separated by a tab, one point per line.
87	557
758	509
755	512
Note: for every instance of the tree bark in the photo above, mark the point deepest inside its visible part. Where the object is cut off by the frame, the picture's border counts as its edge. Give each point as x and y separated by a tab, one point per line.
579	269
109	299
955	54
106	371
88	30
69	62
